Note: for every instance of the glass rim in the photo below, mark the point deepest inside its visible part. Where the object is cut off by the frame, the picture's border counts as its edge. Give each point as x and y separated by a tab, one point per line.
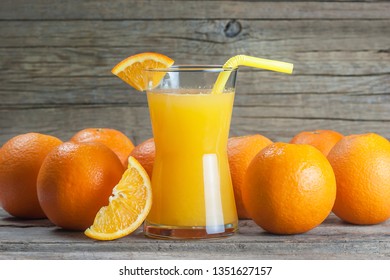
194	68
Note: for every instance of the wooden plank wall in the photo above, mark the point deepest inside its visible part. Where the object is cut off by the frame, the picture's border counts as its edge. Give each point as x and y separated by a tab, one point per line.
56	57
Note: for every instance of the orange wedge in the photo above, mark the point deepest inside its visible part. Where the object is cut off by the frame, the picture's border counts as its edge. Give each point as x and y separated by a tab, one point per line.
131	69
128	206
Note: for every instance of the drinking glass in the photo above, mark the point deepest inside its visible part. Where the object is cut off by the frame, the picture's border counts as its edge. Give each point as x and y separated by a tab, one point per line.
191	184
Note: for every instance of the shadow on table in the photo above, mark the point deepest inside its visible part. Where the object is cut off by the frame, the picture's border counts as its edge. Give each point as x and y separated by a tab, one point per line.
79	235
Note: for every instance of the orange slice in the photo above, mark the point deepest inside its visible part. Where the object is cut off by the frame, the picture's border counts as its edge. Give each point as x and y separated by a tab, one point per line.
131	69
128	206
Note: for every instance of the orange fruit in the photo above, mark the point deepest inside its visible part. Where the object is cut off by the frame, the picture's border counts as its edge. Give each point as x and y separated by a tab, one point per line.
118	142
131	69
145	153
21	158
289	188
362	167
128	206
241	151
323	140
75	181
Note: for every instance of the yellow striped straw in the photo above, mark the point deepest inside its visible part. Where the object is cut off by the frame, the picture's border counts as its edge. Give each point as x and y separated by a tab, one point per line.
251	61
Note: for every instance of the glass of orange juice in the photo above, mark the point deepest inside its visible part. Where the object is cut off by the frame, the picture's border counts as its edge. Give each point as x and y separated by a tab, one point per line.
191	183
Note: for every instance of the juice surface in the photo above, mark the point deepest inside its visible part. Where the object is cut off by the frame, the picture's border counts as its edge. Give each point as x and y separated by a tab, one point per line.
191	180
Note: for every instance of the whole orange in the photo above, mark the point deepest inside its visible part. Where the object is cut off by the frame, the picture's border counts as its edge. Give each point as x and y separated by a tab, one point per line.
112	138
145	153
241	151
20	160
75	181
323	140
362	167
289	188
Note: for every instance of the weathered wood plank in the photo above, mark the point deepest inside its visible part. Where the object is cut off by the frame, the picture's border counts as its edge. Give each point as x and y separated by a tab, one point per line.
312	106
301	34
65	63
362	107
333	239
232	249
169	9
330	47
56	91
266	87
63	122
341	69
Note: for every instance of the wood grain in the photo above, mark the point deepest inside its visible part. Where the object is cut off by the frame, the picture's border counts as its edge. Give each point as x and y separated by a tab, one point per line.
169	9
63	122
333	239
59	70
353	47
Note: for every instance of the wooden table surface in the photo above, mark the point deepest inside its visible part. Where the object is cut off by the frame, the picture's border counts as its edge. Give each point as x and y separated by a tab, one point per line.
333	239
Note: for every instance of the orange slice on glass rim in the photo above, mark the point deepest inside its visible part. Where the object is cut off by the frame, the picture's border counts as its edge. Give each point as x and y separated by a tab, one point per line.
128	206
131	69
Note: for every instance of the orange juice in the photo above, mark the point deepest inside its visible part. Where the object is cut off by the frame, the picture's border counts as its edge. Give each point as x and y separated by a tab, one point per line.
191	181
